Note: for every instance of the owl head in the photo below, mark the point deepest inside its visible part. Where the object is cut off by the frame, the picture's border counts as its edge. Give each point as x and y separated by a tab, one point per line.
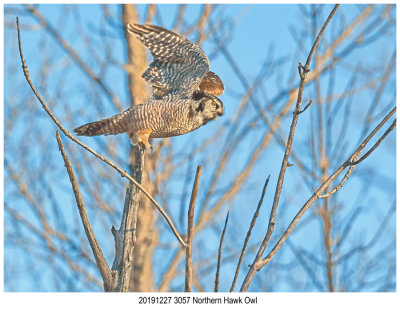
206	107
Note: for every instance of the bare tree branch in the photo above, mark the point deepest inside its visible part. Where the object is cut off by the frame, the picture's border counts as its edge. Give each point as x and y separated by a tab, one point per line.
253	221
189	241
220	253
306	107
98	254
315	196
303	70
376	144
352	163
125	237
73	55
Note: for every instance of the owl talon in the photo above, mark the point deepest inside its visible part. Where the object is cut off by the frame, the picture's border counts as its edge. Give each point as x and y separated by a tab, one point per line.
146	144
143	138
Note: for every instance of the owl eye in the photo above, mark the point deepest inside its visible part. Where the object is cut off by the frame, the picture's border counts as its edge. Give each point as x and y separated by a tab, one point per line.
215	105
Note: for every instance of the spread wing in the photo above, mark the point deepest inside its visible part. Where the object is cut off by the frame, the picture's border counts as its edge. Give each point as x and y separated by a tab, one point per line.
179	65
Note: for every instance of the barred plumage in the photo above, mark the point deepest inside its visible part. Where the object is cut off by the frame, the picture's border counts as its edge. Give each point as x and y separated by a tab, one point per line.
184	91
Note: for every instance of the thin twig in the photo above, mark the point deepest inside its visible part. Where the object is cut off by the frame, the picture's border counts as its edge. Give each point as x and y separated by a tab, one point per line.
340	185
74	55
189	241
376	144
253	221
303	70
97	253
317	194
305	108
220	253
353	163
66	132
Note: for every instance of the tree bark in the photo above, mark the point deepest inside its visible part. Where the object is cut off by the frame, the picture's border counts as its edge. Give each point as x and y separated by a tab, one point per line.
147	235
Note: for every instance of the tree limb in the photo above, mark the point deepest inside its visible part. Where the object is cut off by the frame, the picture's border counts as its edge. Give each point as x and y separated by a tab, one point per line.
189	241
125	237
253	221
97	253
220	253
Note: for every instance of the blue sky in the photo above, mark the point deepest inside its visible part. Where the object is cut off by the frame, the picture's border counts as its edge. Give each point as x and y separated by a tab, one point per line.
258	29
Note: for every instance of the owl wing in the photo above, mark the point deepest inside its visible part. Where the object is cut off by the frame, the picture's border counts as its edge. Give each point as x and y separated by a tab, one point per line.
179	65
211	83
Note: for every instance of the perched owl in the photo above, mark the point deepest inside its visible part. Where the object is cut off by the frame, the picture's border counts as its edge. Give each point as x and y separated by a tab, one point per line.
184	91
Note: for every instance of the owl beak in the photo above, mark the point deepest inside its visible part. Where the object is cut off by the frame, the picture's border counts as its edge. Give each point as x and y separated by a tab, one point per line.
221	111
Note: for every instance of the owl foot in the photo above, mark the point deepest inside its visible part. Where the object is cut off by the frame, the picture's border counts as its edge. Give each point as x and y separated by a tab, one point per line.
142	137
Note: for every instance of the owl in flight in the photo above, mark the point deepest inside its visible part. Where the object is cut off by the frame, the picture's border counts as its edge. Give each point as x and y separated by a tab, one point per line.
184	91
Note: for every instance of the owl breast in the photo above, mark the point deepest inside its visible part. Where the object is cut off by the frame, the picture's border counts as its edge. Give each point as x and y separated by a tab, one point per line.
167	119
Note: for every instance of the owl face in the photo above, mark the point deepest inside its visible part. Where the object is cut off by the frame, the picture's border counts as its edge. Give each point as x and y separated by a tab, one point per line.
207	107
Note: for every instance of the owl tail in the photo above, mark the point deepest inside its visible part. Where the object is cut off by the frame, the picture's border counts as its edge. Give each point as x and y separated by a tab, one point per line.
113	125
